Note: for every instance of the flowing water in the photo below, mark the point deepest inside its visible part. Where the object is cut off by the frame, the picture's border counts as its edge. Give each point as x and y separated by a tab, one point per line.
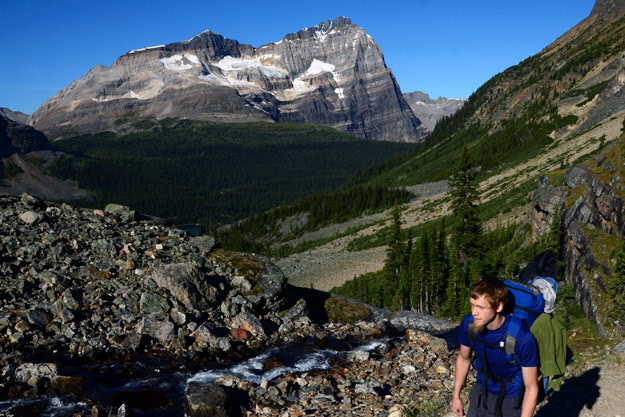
155	391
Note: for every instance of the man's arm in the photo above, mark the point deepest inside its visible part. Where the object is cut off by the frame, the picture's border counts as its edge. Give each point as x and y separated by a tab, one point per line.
463	361
530	380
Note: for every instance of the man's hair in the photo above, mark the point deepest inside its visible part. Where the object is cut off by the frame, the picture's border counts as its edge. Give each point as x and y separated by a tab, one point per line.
494	290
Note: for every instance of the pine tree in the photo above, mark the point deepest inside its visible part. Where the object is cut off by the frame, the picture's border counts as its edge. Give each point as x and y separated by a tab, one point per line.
617	287
457	293
467	229
403	294
394	259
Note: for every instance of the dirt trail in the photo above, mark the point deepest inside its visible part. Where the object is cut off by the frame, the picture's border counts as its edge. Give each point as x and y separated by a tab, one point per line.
598	392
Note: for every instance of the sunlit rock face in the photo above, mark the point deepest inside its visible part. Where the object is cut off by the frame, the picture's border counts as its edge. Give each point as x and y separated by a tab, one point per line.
333	74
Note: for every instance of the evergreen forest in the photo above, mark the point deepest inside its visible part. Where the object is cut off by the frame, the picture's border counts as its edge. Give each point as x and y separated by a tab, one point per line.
212	173
431	272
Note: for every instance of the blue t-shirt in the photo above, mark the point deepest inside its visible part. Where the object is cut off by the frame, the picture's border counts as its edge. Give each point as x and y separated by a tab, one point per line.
526	350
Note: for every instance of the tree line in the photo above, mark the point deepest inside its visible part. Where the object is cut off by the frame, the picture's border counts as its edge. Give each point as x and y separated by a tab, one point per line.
432	271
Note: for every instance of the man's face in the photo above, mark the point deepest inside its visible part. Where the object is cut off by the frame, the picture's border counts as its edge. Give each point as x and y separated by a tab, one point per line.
483	314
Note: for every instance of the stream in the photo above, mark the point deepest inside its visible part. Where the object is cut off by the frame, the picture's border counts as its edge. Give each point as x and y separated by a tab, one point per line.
152	389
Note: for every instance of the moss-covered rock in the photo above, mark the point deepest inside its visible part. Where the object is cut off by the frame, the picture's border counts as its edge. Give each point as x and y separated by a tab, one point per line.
341	310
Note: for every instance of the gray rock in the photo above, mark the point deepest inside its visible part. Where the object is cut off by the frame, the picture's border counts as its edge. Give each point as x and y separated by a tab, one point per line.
403	320
157	327
153	303
230	307
32	201
188	285
26	371
205	400
620	348
273	284
123	212
574	176
369	387
178	317
249	322
31	217
300	309
242	284
61	311
38	318
205	336
205	243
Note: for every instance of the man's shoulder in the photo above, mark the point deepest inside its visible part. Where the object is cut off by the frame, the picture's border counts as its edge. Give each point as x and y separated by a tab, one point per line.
466	320
463	335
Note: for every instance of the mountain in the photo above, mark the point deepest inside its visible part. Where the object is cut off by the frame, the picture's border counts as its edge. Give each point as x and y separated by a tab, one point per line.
429	110
332	74
16	116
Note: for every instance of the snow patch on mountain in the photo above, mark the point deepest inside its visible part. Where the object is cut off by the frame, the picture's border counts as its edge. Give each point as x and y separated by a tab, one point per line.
317	67
229	63
180	62
145	49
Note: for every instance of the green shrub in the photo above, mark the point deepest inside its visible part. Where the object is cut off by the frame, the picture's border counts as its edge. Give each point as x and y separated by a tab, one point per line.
10	169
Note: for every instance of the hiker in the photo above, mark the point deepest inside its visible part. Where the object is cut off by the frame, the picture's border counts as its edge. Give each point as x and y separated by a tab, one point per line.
507	384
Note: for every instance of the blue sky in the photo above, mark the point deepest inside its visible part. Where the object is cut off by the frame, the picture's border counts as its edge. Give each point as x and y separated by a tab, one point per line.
442	47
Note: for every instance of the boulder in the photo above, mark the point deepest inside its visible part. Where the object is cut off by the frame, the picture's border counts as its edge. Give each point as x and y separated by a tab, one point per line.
206	335
26	371
38	318
250	323
273	285
157	327
31	217
205	400
204	244
189	285
67	385
153	303
122	212
300	309
61	312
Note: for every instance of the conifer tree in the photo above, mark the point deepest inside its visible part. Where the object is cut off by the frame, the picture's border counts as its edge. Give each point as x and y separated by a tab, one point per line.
394	259
467	229
403	294
438	266
457	293
617	287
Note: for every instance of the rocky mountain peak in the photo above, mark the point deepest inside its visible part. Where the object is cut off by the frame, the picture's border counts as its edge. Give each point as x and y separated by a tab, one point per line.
16	116
430	110
332	74
608	9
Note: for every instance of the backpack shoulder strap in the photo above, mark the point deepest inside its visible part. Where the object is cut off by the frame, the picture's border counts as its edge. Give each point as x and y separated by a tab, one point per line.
512	334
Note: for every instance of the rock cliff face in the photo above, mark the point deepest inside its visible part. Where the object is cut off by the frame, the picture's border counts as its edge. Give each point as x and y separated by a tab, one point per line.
16	116
333	74
590	202
20	138
429	110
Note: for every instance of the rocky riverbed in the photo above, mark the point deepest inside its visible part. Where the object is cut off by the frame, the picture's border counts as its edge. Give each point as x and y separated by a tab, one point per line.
104	313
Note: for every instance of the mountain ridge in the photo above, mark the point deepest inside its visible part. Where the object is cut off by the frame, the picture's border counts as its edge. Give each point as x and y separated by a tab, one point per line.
430	110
